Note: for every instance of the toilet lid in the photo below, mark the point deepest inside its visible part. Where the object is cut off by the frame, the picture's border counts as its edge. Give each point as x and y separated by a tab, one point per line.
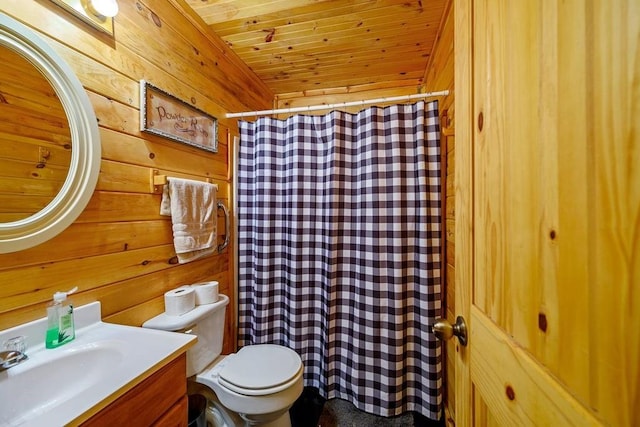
261	366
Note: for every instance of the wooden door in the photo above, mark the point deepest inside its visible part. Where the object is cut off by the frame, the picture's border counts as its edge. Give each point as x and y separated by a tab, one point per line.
548	212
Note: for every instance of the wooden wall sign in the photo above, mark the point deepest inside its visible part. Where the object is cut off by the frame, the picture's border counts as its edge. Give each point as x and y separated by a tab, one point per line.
165	115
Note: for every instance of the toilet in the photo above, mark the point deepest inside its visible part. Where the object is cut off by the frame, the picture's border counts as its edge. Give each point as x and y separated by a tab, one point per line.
254	387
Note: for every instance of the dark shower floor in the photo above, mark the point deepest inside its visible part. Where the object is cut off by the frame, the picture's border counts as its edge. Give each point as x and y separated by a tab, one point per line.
312	411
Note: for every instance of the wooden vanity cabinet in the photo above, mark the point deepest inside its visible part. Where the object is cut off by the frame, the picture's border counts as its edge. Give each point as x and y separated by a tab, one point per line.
160	400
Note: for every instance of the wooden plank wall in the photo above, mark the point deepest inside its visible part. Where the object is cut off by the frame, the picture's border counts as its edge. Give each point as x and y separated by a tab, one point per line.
120	250
342	94
440	76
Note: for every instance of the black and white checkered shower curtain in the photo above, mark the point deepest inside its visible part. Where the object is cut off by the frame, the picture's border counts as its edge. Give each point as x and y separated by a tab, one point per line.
339	251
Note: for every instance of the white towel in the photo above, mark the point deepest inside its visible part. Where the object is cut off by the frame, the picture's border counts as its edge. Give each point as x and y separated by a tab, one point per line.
192	207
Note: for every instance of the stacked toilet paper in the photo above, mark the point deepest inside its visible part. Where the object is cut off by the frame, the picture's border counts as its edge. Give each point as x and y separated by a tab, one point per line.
206	292
184	299
179	301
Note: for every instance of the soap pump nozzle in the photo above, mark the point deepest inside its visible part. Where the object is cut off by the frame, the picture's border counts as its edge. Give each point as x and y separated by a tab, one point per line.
61	296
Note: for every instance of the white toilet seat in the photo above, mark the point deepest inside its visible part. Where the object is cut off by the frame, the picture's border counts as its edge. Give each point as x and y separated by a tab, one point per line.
259	370
263	391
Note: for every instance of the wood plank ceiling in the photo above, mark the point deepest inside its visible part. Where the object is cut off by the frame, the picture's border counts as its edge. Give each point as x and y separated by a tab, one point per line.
306	46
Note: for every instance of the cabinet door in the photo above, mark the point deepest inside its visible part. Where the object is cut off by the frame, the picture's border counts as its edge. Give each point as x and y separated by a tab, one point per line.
176	416
149	400
548	210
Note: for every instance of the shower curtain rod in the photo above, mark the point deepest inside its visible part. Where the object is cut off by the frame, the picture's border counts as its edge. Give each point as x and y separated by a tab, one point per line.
339	105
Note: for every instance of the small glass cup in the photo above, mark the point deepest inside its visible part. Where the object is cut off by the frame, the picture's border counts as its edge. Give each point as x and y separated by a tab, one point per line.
18	343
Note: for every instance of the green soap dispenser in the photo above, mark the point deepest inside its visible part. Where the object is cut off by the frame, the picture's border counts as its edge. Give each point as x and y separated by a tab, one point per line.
60	326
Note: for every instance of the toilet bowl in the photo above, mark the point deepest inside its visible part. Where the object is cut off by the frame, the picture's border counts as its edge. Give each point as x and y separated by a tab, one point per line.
257	385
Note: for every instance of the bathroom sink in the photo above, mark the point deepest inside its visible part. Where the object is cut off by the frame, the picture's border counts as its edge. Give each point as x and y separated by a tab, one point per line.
39	385
72	382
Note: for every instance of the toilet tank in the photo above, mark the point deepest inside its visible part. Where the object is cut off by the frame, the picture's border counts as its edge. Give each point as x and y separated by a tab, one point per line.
204	321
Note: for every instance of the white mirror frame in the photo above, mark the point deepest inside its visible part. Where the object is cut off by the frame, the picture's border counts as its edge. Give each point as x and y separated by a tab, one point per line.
81	180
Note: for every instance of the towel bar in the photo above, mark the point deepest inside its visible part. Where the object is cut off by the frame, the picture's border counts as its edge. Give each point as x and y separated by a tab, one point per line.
227	234
157	181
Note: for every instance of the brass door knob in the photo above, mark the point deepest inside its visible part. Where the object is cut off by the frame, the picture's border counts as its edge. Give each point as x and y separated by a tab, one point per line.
444	330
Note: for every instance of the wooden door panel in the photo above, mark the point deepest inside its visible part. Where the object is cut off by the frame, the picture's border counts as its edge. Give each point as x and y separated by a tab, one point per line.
482	415
517	386
552	144
509	159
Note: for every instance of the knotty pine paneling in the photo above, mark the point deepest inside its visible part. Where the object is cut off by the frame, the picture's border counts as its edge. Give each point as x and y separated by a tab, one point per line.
440	76
120	251
344	94
307	45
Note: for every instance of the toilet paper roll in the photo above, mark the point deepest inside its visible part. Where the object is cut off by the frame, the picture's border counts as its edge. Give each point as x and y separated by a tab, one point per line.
206	292
179	301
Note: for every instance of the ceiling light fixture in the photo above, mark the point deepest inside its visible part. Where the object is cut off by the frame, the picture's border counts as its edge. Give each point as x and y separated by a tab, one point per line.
98	13
104	8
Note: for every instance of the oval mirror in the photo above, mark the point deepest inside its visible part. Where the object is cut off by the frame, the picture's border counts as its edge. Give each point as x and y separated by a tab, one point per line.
49	141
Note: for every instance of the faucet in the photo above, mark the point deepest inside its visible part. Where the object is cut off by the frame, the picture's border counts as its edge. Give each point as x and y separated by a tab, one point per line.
11	358
13	354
